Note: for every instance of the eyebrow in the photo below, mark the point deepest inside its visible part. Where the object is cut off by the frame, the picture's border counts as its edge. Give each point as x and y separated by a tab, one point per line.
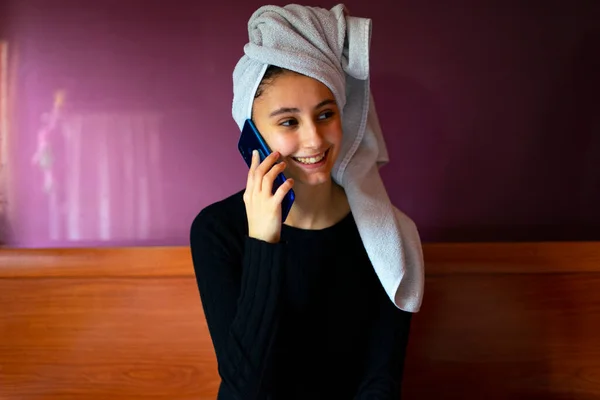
285	110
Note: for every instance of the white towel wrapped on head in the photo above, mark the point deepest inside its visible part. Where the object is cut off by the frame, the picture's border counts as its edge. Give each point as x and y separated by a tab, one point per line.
333	47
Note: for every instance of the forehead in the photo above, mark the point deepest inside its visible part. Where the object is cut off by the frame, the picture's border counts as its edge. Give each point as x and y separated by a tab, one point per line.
293	86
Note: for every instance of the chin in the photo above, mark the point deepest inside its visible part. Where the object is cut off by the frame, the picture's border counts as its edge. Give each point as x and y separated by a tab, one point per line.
313	180
318	182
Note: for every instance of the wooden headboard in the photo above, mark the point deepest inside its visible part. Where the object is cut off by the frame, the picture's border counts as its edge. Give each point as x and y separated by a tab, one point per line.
499	321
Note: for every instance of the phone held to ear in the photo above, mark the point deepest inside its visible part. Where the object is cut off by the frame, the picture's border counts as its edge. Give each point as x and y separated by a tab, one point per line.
250	140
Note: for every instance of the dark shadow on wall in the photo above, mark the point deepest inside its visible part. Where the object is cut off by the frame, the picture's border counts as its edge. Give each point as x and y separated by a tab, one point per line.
544	186
554	191
417	138
445	177
567	160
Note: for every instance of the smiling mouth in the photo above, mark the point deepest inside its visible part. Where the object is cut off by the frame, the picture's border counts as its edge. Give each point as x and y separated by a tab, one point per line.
312	160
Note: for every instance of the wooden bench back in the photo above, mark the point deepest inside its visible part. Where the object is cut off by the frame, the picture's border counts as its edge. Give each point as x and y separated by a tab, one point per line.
499	321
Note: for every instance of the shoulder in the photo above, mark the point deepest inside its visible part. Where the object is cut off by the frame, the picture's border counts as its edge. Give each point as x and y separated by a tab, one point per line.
226	216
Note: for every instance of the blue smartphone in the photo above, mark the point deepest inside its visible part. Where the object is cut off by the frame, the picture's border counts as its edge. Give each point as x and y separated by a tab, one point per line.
250	140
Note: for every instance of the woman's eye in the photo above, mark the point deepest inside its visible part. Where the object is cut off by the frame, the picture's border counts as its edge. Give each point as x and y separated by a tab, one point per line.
289	122
326	115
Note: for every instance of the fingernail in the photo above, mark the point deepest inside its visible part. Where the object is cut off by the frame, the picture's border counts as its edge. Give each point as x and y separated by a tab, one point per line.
254	153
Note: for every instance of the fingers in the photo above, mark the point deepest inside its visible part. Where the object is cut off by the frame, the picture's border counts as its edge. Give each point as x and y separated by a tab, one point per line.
253	166
269	178
263	208
255	162
262	174
283	190
266	165
262	169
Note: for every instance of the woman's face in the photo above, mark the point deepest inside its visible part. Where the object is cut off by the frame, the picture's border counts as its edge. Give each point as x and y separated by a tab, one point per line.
298	117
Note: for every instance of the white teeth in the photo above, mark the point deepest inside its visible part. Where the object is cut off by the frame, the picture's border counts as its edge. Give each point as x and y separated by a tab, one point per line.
311	160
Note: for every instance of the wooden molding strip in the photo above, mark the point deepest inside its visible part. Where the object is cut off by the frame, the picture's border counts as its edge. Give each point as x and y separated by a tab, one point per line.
97	261
512	258
440	258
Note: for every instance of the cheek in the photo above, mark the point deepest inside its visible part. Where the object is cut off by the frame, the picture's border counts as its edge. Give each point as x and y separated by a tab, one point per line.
285	144
335	134
335	138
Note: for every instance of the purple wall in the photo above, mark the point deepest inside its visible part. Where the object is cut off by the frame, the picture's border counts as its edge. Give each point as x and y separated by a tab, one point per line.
490	112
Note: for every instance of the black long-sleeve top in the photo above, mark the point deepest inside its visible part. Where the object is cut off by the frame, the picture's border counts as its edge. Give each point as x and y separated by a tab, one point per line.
305	318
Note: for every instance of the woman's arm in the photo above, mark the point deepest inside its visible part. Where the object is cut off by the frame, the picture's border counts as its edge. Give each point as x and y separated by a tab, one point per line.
386	352
240	307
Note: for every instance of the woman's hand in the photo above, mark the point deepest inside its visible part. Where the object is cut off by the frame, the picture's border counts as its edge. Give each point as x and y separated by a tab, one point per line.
263	208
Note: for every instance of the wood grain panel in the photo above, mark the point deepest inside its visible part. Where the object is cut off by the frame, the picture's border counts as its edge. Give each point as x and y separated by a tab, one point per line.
511	336
104	339
499	321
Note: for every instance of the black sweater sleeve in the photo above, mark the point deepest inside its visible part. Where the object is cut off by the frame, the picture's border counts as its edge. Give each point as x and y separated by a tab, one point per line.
239	302
386	352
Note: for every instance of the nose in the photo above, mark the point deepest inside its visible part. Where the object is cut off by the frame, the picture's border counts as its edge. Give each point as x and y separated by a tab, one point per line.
311	136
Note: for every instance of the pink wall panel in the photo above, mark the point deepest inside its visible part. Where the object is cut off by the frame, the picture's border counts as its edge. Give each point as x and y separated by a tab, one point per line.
490	112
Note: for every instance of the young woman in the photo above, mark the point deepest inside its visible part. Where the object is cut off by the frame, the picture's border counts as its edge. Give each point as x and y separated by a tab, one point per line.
295	309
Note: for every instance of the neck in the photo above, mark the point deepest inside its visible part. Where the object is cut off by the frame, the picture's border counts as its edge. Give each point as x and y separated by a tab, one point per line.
317	207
